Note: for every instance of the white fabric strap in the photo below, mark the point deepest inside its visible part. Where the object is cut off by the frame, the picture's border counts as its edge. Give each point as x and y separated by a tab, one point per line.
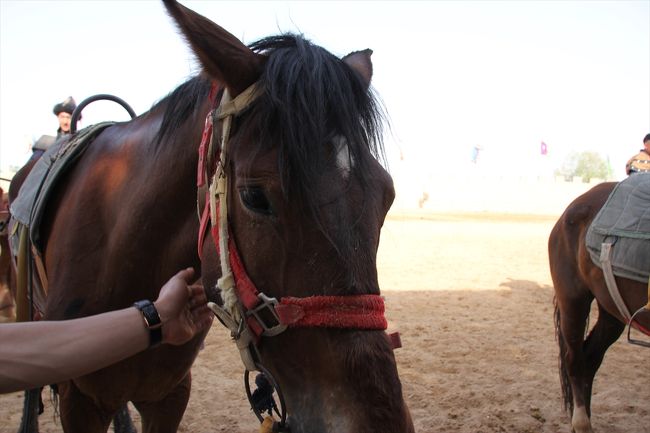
219	197
219	186
606	262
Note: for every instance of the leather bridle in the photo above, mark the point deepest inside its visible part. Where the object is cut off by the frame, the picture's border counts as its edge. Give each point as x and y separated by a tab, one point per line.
248	312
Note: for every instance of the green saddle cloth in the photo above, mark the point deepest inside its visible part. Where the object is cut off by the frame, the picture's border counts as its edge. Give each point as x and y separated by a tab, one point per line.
624	221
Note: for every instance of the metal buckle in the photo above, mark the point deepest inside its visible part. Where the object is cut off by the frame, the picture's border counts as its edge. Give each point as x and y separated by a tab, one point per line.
267	304
241	335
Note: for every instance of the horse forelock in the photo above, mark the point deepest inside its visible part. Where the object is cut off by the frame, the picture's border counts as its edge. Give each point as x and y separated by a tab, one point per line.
311	103
310	97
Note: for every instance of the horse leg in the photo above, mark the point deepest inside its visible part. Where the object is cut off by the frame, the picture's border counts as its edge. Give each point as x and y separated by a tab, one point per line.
164	416
571	319
79	414
29	421
605	332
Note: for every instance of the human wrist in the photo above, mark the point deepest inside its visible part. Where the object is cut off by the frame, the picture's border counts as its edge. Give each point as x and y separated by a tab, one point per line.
152	321
165	314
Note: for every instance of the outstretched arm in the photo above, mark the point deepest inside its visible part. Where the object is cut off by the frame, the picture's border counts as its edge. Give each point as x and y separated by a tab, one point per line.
33	354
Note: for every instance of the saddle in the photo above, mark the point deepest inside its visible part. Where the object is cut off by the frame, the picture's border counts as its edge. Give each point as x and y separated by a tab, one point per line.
618	239
624	223
28	209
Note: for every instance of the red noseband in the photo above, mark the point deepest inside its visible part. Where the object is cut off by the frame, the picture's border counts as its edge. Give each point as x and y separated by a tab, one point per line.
350	311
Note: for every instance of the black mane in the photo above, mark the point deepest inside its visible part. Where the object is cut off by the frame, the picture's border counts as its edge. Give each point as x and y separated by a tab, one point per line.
182	103
309	96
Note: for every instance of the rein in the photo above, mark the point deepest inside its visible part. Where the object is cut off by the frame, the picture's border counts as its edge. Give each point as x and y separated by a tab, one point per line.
248	312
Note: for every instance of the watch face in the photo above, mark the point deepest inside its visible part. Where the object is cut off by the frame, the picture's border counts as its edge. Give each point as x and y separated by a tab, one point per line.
151	320
149	313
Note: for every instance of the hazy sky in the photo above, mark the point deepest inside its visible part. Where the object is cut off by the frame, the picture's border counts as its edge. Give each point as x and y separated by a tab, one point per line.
452	75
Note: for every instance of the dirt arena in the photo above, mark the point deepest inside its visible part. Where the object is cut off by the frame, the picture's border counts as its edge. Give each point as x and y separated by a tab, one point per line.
472	298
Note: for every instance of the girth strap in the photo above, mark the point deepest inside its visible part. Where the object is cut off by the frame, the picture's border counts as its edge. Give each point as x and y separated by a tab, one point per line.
615	294
606	262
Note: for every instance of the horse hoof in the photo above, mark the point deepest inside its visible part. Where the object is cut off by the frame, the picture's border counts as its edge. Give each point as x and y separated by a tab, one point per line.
580	421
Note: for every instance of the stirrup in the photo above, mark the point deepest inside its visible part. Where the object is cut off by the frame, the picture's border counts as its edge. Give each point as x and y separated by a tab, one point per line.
629	329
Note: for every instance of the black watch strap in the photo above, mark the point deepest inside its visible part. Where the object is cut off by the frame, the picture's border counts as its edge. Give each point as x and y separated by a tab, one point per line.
151	321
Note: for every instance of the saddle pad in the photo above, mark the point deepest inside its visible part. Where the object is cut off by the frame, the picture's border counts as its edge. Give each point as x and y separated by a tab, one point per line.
624	221
29	206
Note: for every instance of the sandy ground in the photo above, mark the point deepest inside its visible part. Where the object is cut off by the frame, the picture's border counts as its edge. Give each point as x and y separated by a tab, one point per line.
472	298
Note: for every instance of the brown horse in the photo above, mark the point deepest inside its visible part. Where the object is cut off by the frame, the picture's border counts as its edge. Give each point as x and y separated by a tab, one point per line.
578	281
307	199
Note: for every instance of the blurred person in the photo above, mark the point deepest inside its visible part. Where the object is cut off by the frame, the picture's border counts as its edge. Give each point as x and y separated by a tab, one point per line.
63	112
640	163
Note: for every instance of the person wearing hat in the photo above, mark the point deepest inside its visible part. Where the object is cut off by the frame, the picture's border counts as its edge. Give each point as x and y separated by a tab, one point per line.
63	112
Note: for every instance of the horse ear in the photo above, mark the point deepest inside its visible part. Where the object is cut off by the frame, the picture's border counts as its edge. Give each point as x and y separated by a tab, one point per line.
361	63
223	56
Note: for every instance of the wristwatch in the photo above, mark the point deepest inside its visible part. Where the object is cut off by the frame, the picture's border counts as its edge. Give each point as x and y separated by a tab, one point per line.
151	321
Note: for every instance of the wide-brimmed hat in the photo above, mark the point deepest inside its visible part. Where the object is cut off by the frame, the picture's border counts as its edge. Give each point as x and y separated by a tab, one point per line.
66	106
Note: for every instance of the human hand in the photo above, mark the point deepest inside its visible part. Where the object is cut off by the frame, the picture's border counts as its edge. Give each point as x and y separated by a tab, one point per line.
183	308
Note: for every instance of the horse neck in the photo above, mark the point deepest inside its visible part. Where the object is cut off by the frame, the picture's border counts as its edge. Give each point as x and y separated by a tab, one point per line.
169	161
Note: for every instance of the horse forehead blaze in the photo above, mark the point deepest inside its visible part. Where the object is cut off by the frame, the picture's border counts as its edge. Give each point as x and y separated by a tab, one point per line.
344	160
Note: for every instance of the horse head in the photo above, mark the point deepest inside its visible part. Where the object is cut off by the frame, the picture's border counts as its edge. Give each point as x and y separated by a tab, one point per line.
306	200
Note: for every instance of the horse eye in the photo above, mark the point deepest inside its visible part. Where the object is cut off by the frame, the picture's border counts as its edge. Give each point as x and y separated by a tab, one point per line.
255	200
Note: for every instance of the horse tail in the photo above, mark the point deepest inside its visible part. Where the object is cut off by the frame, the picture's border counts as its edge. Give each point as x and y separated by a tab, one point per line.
567	393
31	408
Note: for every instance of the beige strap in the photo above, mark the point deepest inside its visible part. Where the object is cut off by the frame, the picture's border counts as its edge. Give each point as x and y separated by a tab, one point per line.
219	193
230	312
40	268
606	262
232	107
22	296
219	197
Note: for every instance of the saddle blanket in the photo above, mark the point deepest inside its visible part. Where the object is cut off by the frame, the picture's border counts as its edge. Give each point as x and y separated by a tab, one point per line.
29	206
624	221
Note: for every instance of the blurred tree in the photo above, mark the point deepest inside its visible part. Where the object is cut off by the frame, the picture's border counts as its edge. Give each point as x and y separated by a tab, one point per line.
588	165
